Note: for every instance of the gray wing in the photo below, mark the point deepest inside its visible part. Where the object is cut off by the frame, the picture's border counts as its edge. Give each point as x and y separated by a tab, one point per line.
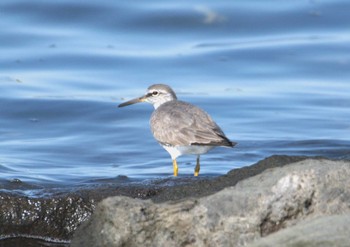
180	123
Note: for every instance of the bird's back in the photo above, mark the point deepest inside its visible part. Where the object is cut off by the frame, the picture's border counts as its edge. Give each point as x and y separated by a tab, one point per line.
178	123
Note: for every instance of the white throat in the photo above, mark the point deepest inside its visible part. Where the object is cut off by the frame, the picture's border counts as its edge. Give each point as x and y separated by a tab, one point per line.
157	104
159	101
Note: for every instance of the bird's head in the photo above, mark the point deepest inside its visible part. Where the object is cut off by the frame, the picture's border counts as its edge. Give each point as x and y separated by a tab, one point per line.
156	94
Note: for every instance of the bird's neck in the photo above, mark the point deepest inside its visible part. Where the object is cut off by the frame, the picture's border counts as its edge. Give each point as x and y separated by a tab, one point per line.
159	103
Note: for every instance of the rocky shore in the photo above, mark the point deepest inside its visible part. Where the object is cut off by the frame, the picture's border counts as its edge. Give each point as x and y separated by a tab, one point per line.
304	203
280	201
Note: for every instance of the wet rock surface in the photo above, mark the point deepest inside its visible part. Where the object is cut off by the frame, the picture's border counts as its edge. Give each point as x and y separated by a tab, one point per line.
52	220
262	210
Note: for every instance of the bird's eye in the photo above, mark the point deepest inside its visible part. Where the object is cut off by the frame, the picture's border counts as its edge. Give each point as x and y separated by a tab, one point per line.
155	93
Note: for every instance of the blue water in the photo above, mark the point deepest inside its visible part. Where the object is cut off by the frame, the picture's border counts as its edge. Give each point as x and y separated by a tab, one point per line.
275	75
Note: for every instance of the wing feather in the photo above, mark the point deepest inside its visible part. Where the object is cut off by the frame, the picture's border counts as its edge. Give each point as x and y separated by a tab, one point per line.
179	123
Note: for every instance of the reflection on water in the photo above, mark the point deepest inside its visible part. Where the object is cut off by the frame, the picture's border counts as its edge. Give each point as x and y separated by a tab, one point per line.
273	75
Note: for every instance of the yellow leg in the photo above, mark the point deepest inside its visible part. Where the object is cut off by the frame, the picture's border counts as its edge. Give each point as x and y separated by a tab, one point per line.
198	167
176	169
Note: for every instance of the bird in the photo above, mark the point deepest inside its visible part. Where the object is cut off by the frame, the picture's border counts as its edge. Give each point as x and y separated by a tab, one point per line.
180	127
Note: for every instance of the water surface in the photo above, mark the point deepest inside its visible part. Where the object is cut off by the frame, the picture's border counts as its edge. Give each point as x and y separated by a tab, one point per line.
273	74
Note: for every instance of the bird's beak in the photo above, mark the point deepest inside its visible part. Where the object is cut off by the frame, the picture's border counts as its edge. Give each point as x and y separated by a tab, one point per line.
133	101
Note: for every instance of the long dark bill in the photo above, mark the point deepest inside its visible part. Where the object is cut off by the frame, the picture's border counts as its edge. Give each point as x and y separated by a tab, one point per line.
133	101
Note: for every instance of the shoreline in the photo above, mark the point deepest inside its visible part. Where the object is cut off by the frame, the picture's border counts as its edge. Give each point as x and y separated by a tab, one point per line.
59	216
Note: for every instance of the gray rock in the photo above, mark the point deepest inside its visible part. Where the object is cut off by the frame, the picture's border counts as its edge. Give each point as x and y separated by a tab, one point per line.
320	232
255	209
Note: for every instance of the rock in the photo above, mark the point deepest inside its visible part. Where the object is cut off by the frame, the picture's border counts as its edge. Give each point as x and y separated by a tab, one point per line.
256	209
320	232
204	187
57	215
54	213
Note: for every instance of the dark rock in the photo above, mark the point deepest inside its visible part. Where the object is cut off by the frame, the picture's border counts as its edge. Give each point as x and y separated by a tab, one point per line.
54	217
57	215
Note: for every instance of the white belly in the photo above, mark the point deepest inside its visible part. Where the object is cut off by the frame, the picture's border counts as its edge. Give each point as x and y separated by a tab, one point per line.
181	150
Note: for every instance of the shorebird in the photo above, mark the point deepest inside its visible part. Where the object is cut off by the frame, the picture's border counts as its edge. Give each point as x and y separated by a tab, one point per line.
180	127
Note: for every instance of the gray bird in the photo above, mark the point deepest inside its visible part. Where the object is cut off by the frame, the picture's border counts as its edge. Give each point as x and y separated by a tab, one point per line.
180	127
